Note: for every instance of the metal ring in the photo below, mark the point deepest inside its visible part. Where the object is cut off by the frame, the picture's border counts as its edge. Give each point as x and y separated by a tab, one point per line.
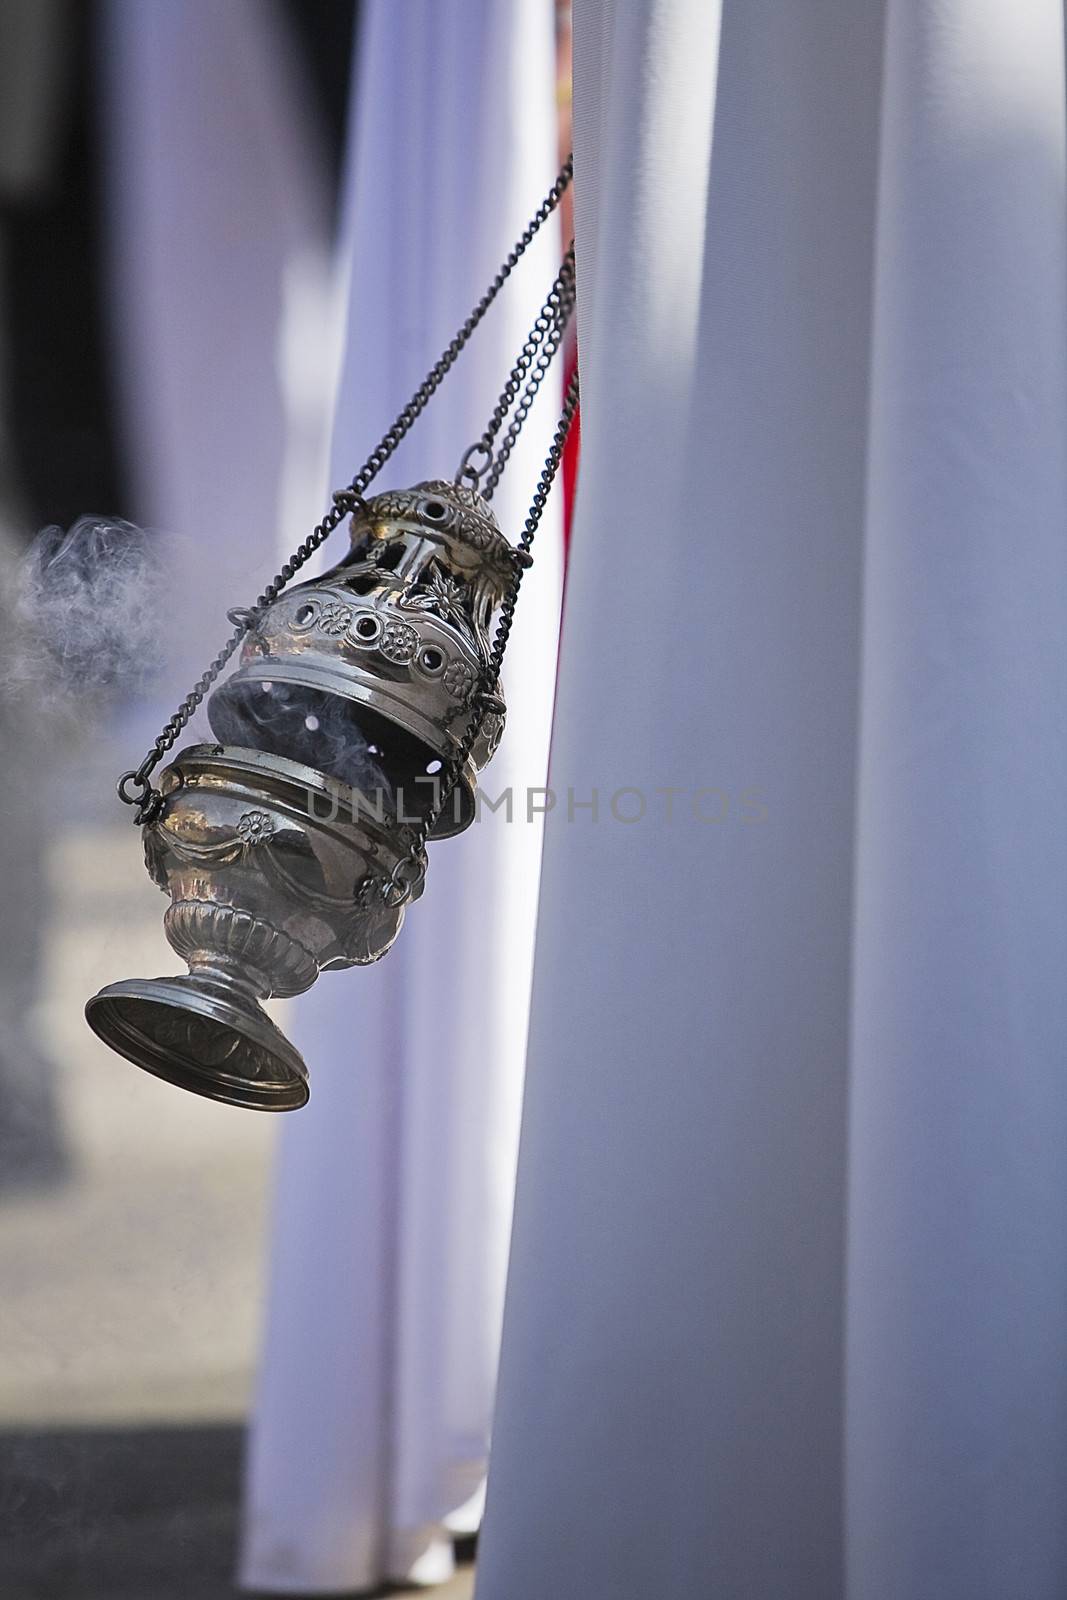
149	801
140	780
348	500
366	637
244	617
474	474
424	666
401	881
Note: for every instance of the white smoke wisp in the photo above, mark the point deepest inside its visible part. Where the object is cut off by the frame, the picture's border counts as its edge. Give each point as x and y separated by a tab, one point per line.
87	609
317	729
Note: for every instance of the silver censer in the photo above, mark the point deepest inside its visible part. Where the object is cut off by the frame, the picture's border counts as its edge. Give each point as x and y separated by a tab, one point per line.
277	845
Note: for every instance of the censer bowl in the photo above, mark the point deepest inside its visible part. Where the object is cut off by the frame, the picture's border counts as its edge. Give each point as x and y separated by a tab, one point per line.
274	873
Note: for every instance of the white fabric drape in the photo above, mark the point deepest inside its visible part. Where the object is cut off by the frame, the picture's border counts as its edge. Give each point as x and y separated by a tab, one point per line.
957	1324
219	237
819	1019
394	1185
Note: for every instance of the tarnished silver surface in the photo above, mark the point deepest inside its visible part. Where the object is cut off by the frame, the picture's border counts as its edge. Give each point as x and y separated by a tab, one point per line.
292	846
272	870
397	632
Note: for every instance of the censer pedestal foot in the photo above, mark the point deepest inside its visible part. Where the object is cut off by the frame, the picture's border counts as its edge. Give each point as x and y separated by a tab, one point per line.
203	1032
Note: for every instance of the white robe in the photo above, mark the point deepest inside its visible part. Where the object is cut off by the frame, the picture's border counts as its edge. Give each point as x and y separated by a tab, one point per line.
787	1310
394	1185
220	240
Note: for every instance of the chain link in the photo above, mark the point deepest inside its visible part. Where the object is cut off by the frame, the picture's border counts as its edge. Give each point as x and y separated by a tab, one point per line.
134	787
556	308
483	699
544	361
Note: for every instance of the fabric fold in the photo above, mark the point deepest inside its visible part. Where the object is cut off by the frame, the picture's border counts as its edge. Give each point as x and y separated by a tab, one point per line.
394	1186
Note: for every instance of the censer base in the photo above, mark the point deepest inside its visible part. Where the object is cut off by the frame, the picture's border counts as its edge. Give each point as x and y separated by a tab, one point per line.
195	1035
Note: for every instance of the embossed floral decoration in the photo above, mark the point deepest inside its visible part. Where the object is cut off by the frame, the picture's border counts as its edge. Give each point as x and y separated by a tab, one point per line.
459	679
398	642
255	827
444	597
334	619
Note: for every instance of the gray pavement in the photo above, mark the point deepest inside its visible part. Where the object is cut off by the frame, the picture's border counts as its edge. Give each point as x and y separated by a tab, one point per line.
125	1514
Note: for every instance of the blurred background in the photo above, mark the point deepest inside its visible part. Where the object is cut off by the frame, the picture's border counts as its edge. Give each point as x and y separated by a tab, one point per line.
170	334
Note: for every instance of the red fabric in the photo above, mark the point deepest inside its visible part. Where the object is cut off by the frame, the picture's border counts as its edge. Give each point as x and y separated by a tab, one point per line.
571	453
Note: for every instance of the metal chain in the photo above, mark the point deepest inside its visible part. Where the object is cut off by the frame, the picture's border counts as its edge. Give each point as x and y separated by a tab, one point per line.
483	699
134	787
544	361
559	296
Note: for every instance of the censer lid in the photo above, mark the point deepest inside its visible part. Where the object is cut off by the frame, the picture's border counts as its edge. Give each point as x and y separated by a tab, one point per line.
452	514
367	671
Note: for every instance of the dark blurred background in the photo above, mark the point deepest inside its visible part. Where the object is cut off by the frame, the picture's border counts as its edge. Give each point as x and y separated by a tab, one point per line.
64	449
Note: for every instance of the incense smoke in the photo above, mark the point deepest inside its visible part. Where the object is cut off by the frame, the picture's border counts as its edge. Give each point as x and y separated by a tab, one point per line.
87	607
317	729
91	618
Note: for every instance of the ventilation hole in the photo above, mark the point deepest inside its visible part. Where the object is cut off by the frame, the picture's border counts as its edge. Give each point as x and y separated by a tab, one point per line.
432	659
304	616
434	510
368	627
389	559
362	583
